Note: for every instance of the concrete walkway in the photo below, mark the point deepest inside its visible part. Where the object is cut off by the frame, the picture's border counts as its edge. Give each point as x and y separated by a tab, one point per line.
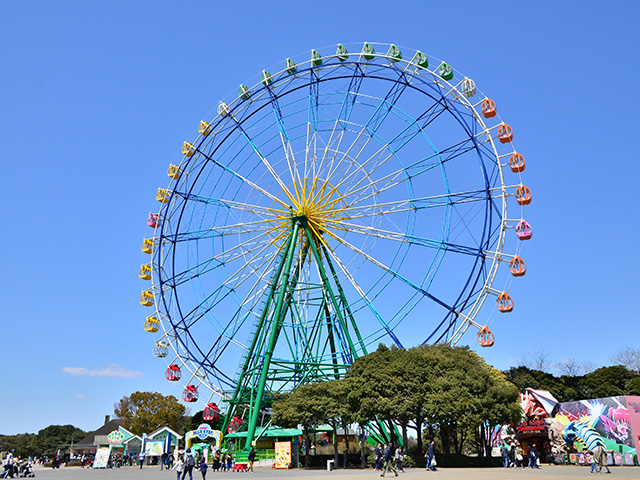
154	473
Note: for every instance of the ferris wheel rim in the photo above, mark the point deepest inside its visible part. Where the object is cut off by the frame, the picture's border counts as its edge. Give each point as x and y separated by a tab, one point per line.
501	237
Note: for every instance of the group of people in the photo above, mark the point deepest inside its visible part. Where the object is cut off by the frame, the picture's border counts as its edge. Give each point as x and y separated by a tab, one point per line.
386	459
191	461
514	457
17	466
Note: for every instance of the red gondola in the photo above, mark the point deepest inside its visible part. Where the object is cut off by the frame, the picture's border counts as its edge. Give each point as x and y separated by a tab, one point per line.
190	394
173	373
211	412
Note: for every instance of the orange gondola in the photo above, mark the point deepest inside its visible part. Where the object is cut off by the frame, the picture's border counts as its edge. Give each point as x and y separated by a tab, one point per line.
504	302
523	195
505	133
488	108
485	337
516	162
517	267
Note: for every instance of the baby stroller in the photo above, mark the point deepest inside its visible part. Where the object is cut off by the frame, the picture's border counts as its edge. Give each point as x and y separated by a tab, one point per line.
26	469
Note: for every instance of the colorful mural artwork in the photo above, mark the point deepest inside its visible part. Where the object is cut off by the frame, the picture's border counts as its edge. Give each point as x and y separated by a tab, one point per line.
566	430
283	454
609	417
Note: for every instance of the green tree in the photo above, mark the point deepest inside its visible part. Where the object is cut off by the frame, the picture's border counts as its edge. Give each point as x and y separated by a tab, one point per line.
303	406
567	388
143	412
54	437
608	381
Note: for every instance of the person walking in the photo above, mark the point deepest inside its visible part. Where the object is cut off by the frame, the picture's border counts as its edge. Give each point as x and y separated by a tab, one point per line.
431	455
389	463
519	459
189	463
8	464
377	458
179	468
399	456
163	460
504	451
203	468
251	458
533	457
600	457
141	458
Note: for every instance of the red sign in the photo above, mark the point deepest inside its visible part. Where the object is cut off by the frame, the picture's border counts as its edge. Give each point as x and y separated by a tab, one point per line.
534	426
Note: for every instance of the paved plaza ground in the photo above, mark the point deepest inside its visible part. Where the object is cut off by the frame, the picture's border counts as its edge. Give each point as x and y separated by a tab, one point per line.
154	473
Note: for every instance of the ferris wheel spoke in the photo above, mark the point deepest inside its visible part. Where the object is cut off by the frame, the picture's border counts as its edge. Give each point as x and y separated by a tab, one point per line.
190	318
246	180
434	201
410	239
392	272
375	120
363	295
312	125
230	204
284	137
218	260
344	114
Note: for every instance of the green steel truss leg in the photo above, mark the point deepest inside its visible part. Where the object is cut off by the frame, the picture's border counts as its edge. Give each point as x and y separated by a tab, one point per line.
276	326
344	300
327	287
259	368
237	394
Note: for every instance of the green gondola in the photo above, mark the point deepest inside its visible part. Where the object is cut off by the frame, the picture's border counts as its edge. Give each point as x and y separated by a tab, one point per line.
291	66
341	53
243	92
368	52
445	71
420	59
394	54
316	58
266	78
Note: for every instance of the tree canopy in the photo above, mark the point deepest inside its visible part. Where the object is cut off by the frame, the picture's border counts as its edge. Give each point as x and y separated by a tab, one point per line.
143	412
450	390
46	442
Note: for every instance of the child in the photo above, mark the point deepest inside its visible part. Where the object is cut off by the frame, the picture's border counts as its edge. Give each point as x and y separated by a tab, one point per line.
179	467
203	470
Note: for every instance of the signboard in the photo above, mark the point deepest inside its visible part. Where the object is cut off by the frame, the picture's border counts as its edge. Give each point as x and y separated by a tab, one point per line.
154	448
534	426
283	454
203	432
115	437
102	457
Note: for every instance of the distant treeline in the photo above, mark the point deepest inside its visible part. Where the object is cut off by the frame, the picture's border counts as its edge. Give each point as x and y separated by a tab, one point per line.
46	442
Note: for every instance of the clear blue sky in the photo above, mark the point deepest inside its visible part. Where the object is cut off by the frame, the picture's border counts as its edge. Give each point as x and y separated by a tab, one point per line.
97	98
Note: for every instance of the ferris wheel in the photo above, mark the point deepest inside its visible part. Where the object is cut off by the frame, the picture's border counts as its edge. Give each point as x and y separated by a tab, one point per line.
356	196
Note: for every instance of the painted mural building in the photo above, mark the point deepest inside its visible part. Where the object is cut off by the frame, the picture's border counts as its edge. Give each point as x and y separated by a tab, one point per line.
558	428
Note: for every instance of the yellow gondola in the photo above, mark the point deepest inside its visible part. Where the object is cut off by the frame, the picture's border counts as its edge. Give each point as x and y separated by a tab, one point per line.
146	299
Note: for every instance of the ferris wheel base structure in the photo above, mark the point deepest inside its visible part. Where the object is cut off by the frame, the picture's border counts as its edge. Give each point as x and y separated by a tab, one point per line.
346	200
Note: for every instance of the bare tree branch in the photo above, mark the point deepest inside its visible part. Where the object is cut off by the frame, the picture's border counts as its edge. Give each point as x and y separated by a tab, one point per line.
628	356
